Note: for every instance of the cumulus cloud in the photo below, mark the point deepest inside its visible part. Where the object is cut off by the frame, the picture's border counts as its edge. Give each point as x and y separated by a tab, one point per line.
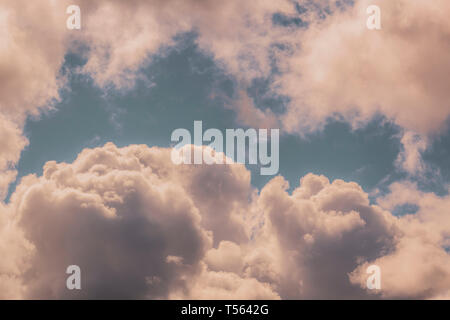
142	227
212	285
417	269
137	225
320	233
341	69
16	251
398	71
419	265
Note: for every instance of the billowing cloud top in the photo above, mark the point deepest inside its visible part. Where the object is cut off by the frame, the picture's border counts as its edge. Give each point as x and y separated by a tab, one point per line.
140	227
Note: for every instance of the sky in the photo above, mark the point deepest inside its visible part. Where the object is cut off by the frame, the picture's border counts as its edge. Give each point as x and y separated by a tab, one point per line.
183	82
86	176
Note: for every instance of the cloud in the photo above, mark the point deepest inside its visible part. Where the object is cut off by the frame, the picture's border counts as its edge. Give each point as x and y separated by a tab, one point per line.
410	158
32	47
211	285
432	209
418	267
142	227
138	29
116	211
407	58
320	233
117	39
399	71
11	144
122	36
137	225
16	251
333	68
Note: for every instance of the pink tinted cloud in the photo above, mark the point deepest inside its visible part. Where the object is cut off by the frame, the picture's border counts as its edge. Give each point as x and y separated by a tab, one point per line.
142	227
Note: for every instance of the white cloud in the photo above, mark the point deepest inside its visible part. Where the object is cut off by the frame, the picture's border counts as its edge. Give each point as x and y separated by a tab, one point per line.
11	144
335	67
142	227
32	47
399	71
33	42
115	212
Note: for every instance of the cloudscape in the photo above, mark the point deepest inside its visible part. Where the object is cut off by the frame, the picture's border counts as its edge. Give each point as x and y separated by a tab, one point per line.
200	149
